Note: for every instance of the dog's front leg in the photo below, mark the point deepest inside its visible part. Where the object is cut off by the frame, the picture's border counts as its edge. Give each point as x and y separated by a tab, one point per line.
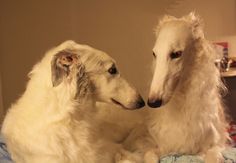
213	155
124	156
151	156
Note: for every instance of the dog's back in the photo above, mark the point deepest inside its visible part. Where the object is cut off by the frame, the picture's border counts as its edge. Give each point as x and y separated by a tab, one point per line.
39	127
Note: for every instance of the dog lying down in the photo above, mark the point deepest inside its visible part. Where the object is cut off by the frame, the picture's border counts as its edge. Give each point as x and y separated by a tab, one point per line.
187	87
53	120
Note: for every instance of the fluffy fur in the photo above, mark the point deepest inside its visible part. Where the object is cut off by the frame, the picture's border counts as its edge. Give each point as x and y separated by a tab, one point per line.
53	120
191	118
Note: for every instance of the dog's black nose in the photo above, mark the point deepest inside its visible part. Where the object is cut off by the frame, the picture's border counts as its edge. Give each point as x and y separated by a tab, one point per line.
140	103
154	103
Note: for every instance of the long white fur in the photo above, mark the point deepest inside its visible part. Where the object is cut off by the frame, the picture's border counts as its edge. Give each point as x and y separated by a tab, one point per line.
191	120
55	124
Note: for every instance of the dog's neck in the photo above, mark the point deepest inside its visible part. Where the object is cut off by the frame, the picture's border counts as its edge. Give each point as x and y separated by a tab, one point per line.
198	88
60	102
77	102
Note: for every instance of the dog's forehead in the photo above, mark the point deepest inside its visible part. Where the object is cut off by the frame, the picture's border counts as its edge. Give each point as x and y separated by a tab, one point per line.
104	56
173	33
105	59
94	56
175	29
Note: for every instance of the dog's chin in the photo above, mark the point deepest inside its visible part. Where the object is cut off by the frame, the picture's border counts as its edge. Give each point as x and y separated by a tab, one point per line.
132	106
117	103
164	102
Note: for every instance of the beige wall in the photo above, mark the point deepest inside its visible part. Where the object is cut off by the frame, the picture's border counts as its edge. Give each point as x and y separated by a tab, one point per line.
122	28
219	19
219	16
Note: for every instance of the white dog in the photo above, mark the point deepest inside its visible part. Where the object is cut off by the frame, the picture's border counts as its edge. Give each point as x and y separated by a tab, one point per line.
53	121
186	86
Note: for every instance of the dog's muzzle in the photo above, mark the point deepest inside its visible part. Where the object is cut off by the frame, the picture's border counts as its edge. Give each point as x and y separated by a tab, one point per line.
140	103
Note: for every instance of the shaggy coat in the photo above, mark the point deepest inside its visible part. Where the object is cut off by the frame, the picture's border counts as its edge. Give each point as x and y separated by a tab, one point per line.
53	119
187	87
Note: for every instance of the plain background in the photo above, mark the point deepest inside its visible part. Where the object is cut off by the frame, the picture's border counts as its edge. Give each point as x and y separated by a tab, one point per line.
122	28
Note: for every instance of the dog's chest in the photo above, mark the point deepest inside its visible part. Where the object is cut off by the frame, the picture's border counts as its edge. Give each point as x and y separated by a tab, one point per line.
67	143
75	142
179	136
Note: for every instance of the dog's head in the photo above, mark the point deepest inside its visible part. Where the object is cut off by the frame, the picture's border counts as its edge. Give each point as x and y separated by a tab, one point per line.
92	73
174	37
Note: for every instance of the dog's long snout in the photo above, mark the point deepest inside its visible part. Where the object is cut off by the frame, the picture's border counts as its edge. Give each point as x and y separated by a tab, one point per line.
154	103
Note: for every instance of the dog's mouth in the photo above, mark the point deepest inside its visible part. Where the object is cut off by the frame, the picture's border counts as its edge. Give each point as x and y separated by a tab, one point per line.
118	103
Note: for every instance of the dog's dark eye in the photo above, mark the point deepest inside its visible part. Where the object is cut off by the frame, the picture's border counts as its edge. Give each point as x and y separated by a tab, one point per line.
154	55
177	54
112	70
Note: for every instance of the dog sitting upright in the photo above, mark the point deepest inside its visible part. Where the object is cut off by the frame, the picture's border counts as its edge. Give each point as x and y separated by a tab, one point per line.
51	122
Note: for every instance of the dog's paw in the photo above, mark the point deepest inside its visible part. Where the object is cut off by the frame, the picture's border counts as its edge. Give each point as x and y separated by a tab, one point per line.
214	156
123	157
118	157
209	159
151	156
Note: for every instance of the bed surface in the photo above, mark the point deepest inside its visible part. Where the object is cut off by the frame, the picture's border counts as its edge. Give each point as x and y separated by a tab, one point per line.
229	155
4	155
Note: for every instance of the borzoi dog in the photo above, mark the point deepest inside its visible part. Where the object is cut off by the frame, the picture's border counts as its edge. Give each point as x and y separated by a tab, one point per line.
52	121
186	86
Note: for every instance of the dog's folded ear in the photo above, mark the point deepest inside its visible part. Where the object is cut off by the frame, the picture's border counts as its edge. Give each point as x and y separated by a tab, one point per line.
62	64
